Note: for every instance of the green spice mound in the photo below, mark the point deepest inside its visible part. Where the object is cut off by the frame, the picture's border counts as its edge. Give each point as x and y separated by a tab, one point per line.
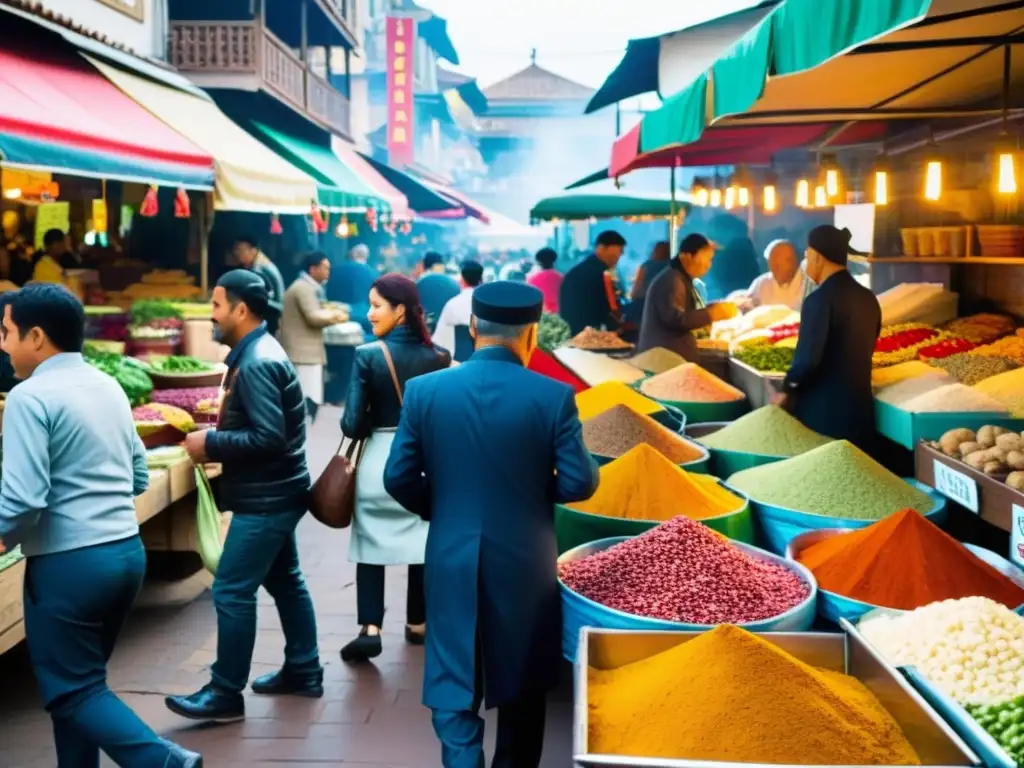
768	431
835	480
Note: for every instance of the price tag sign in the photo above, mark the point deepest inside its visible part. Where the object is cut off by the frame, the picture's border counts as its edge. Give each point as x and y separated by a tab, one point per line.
1017	535
956	486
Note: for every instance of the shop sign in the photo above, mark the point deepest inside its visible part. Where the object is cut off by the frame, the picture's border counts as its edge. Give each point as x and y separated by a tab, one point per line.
1017	535
99	215
401	51
52	216
956	486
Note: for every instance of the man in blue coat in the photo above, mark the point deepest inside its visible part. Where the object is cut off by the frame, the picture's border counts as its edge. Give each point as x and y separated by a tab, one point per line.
493	611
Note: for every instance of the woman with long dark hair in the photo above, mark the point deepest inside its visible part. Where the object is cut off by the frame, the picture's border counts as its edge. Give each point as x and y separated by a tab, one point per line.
383	532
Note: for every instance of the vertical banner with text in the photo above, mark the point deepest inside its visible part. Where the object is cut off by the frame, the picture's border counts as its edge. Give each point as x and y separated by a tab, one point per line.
401	50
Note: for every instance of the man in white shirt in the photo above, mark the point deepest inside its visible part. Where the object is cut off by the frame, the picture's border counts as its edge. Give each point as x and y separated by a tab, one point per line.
784	284
459	309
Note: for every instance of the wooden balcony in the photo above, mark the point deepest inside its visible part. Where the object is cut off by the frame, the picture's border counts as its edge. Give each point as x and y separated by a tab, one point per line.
243	55
345	14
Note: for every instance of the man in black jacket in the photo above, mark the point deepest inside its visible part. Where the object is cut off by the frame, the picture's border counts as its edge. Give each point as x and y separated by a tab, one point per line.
260	442
587	296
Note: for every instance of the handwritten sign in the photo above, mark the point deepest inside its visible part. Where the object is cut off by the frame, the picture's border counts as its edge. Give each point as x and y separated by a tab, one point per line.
956	486
52	216
1017	535
400	36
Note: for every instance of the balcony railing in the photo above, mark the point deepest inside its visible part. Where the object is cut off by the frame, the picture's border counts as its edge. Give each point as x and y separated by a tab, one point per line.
240	54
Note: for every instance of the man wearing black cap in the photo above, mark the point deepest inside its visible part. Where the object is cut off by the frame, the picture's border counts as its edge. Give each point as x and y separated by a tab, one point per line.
587	297
828	387
491	553
673	308
260	442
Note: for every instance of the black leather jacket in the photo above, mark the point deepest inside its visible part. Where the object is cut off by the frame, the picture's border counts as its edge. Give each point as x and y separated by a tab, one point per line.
261	437
372	402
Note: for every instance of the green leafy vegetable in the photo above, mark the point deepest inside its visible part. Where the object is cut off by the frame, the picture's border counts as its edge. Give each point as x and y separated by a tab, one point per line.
179	364
553	332
145	311
766	358
133	380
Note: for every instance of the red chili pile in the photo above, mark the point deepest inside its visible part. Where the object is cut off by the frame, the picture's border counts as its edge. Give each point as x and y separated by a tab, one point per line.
945	348
685	572
783	331
903	339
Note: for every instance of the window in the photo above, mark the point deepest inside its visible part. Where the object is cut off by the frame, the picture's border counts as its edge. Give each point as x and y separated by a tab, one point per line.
134	8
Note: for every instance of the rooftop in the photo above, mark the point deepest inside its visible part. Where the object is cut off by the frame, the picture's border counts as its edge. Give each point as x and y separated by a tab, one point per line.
537	84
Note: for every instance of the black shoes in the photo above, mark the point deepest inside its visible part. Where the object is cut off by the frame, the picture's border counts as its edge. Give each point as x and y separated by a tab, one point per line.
209	704
285	681
363	648
412	637
182	758
311	410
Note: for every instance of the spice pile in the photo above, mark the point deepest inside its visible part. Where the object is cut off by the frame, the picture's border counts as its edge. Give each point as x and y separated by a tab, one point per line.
731	696
972	649
541	362
657	360
981	329
945	348
596	369
970	369
644	485
1008	389
619	429
590	338
836	480
953	398
1011	347
685	572
768	431
900	343
895	374
599	399
905	562
689	383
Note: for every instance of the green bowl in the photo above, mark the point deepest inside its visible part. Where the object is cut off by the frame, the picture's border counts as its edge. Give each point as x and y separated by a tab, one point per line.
723	463
574	528
702	412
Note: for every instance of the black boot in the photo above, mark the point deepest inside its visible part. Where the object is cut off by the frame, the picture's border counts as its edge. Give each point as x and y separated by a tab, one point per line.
363	648
285	681
209	704
183	758
312	409
414	637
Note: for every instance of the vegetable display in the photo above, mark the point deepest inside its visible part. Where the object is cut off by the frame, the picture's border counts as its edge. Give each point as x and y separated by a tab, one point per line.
179	364
133	379
553	332
766	357
195	400
1005	722
992	450
155	311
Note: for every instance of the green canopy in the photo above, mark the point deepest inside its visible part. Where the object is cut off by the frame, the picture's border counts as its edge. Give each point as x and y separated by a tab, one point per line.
796	36
579	206
338	187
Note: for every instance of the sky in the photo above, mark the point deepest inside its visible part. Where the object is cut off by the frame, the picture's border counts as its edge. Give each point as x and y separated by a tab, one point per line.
579	39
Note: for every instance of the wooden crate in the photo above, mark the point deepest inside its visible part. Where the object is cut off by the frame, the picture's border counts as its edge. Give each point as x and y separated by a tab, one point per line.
12	608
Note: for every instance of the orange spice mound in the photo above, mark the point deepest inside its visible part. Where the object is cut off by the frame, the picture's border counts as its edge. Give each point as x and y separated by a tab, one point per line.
689	383
905	562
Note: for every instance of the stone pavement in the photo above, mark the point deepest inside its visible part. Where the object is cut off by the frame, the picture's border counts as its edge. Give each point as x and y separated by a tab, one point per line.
370	717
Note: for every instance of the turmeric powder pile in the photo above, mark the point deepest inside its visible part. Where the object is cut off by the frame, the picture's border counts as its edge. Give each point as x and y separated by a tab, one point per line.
644	485
596	400
732	696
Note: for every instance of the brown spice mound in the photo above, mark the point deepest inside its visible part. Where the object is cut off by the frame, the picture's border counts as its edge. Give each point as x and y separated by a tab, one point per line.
619	429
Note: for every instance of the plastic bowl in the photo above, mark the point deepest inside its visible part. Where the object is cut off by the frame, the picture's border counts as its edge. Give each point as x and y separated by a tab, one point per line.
704	412
697	466
724	464
579	611
671	418
575	527
778	525
833	606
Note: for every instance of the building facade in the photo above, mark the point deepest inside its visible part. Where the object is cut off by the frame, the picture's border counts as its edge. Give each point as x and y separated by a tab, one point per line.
138	25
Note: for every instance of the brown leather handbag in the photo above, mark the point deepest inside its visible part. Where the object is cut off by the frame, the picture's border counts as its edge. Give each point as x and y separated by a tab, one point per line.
332	499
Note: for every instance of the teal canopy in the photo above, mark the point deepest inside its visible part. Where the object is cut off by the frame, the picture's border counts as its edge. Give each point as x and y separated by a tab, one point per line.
580	206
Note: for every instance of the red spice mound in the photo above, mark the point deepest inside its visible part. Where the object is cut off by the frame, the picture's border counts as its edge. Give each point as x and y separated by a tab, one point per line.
683	571
904	561
544	364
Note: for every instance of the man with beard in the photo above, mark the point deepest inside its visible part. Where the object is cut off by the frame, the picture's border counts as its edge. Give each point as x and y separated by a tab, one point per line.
260	441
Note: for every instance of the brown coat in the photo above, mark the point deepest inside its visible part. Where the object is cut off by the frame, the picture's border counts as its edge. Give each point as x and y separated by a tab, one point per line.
303	319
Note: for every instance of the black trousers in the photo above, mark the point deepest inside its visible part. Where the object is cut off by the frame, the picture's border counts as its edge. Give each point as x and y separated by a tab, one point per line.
370	595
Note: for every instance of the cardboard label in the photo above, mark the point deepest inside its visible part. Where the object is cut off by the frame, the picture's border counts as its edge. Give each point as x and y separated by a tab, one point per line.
956	486
1017	535
52	216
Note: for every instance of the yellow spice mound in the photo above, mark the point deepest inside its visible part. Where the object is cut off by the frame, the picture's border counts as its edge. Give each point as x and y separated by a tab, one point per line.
644	485
732	696
596	400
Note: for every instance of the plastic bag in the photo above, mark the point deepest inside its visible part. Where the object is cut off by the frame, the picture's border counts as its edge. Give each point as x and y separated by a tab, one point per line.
207	523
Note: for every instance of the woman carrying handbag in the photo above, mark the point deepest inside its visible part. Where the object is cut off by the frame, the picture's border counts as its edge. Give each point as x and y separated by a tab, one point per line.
383	532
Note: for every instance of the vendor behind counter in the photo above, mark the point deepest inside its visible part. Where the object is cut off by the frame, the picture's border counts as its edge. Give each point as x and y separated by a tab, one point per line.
784	284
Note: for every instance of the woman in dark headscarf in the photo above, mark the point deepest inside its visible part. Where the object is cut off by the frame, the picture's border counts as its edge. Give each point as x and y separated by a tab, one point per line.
828	386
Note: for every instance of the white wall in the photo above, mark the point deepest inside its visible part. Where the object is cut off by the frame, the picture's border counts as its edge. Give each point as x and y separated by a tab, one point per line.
146	37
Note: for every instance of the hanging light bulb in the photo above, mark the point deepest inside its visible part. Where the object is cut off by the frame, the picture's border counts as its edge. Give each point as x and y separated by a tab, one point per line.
716	198
769	202
743	197
933	180
820	197
881	187
803	193
731	194
830	175
1006	165
701	197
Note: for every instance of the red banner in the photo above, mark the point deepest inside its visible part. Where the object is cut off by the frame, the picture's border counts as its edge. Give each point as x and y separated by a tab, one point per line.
401	50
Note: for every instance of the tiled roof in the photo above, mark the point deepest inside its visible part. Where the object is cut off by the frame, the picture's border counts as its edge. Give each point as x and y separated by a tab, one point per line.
36	8
537	84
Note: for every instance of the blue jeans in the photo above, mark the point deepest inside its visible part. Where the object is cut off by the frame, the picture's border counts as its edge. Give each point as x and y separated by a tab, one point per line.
75	605
260	550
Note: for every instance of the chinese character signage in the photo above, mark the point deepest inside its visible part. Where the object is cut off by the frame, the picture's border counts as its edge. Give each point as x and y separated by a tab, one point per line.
401	47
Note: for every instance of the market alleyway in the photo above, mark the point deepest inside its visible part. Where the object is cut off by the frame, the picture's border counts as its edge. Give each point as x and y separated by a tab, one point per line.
370	717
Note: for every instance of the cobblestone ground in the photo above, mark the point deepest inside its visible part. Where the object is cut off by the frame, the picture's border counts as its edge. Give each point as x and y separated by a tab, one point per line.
370	717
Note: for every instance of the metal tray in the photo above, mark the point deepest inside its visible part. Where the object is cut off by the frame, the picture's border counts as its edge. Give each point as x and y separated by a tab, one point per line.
936	743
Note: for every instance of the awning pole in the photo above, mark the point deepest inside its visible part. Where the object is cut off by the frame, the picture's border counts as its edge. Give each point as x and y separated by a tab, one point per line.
673	234
205	227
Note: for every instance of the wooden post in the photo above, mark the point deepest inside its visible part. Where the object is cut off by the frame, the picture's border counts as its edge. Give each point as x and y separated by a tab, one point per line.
304	42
